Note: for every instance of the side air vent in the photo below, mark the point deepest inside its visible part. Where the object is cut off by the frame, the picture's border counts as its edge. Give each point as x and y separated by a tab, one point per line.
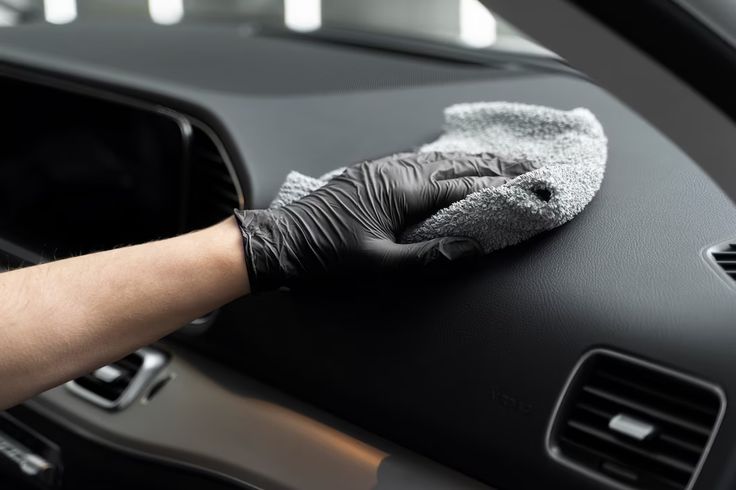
212	188
635	424
724	256
117	385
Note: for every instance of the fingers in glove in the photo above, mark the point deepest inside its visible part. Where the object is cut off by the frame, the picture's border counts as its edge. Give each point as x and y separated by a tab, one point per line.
446	192
453	165
399	255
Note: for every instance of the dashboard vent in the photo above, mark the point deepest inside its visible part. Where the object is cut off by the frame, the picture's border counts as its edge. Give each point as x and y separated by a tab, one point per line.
116	385
630	422
212	189
724	255
109	382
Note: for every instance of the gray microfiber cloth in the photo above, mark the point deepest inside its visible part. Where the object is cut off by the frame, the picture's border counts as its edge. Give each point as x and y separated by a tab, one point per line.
563	152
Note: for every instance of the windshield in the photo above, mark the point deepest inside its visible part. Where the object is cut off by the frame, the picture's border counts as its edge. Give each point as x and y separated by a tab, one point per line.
465	23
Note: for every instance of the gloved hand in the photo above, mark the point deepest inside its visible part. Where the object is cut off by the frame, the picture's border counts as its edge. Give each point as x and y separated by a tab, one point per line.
353	221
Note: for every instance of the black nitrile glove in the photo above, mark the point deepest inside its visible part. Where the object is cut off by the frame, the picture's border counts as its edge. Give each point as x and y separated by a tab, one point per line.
352	222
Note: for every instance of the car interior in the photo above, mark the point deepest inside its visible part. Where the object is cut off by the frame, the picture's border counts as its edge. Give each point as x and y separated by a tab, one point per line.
596	355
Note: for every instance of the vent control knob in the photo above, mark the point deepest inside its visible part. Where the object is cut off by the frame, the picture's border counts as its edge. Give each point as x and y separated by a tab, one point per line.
108	374
33	464
631	427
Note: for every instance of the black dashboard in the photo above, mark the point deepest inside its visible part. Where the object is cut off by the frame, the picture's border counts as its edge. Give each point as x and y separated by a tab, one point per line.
464	366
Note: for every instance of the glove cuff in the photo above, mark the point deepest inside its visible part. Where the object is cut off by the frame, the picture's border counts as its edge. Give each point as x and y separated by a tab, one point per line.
262	243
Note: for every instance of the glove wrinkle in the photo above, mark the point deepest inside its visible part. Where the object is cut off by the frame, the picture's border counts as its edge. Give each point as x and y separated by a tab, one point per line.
351	223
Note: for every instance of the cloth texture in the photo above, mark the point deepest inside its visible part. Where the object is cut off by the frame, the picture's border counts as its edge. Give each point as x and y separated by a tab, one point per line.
551	162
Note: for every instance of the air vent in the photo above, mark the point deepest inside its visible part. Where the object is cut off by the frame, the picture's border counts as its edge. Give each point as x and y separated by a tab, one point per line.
212	187
117	385
635	424
724	256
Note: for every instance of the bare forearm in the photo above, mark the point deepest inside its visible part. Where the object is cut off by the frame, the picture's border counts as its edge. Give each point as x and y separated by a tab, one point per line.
61	319
65	318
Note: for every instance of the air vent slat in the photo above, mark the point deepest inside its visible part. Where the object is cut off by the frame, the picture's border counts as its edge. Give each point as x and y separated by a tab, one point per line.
655	393
118	384
208	154
216	169
213	194
636	423
595	410
685	445
652	412
664	460
665	443
217	184
228	196
583	448
656	446
131	362
128	367
663	427
724	256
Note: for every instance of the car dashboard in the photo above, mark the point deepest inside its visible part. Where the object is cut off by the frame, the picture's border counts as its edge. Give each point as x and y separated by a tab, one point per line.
597	355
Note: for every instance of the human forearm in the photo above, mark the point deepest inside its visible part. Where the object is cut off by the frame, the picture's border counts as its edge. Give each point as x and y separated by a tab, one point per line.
64	318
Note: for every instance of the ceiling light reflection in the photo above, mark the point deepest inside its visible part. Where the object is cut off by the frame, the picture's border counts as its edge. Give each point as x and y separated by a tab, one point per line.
59	11
166	12
477	24
8	17
303	15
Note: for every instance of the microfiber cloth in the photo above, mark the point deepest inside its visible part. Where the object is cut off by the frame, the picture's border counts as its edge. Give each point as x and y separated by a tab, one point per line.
555	161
